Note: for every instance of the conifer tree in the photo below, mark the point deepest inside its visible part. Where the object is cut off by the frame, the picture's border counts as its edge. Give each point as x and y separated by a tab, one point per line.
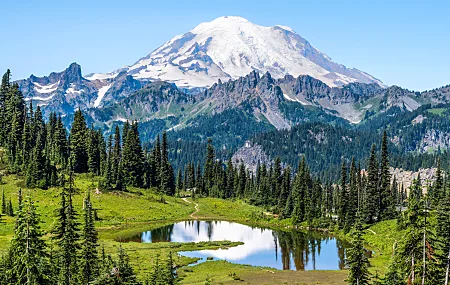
3	209
180	182
166	172
93	151
89	241
343	198
371	203
209	167
117	154
4	89
387	202
78	148
285	190
10	211
229	188
299	193
357	261
109	165
28	250
68	240
242	181
352	194
133	158
438	191
443	237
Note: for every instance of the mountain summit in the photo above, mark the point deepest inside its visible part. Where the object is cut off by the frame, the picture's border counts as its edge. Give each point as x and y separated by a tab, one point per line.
230	47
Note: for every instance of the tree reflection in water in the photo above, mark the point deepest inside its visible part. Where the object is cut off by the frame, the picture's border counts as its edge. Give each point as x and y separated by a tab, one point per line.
294	250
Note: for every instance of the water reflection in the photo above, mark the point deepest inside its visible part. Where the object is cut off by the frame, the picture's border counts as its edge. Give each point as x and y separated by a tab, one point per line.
288	250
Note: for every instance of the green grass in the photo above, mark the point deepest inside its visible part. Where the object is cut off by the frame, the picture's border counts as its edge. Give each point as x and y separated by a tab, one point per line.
125	214
381	238
223	272
438	111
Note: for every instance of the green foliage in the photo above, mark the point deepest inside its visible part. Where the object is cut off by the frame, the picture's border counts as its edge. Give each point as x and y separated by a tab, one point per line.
356	259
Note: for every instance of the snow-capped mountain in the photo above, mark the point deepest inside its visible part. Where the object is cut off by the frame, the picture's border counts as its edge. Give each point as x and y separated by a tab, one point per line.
67	90
231	47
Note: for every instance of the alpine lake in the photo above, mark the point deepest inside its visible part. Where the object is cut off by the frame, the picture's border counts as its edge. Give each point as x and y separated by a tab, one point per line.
279	249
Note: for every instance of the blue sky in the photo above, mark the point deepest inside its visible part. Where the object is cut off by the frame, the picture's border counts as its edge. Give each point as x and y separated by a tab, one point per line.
405	43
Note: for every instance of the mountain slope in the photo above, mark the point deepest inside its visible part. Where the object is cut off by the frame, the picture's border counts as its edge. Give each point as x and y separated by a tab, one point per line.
230	47
65	91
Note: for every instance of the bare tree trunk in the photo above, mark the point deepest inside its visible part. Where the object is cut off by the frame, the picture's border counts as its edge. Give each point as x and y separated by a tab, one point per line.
448	265
424	249
412	269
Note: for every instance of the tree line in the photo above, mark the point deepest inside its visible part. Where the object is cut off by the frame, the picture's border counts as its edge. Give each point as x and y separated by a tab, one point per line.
41	150
298	194
71	255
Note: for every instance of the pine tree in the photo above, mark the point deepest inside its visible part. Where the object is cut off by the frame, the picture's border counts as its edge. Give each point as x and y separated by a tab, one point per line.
180	183
117	154
443	237
387	202
68	239
299	190
133	158
357	261
60	146
438	191
285	190
4	90
28	250
229	189
109	165
93	152
209	167
10	211
415	258
3	209
242	181
126	272
15	118
166	171
78	147
343	198
89	242
371	203
352	197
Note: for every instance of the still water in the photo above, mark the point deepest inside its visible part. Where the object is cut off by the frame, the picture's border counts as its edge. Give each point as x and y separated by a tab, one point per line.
289	250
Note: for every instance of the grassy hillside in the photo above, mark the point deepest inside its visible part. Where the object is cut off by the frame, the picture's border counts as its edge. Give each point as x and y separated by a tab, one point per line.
124	214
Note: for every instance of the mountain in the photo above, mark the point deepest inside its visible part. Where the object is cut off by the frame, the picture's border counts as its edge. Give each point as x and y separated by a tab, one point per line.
231	47
65	91
212	54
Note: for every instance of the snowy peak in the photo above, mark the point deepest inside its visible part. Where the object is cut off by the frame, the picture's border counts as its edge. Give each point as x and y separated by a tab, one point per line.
230	47
67	90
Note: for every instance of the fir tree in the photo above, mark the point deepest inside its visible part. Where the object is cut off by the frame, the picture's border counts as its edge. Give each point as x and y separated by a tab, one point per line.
89	244
68	239
28	250
209	167
438	191
443	237
78	148
357	261
343	198
371	203
133	158
387	202
117	154
3	209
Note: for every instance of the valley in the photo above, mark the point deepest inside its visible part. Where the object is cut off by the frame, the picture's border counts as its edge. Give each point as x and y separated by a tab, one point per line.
234	153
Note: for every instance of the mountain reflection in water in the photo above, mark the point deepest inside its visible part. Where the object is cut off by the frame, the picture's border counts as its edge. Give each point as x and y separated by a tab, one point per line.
280	249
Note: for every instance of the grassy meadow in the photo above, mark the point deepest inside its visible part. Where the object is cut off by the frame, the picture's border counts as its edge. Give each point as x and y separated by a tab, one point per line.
124	214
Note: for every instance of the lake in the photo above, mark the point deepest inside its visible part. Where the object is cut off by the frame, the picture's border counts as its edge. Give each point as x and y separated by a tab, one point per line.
288	250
